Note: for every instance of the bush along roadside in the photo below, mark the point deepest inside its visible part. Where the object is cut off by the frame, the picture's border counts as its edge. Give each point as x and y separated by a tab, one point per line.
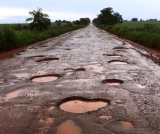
11	38
145	37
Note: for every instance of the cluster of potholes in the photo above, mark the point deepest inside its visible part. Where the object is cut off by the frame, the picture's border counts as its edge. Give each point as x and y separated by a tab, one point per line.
77	105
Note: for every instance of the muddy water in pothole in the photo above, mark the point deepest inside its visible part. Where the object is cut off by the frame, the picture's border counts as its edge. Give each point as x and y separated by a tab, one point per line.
21	75
112	82
13	94
118	62
68	127
81	106
44	78
127	125
105	117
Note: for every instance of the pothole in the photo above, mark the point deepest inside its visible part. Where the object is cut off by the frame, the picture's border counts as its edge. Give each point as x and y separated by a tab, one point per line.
47	60
21	75
105	117
80	69
127	125
68	49
45	78
69	70
68	127
112	55
13	94
120	48
112	82
118	62
82	105
37	56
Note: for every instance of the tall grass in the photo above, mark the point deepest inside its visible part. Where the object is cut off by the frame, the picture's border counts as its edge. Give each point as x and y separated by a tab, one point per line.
149	39
11	38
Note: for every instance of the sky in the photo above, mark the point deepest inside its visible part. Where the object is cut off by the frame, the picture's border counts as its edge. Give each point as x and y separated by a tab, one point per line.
16	11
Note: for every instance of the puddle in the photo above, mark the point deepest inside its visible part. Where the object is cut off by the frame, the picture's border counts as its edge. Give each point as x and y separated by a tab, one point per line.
112	55
45	78
21	75
80	69
112	82
105	117
13	94
68	127
117	62
82	106
127	125
47	60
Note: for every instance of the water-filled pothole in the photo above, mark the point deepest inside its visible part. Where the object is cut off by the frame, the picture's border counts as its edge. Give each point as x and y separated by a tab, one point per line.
112	82
80	69
127	125
45	78
47	60
68	127
13	94
112	55
118	62
81	105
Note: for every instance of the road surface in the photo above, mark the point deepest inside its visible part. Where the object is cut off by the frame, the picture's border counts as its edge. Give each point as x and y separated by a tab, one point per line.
83	82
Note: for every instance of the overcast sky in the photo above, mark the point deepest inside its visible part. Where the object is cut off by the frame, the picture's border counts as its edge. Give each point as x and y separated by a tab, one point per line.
15	11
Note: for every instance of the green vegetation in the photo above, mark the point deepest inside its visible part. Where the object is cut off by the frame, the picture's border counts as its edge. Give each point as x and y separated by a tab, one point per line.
40	21
146	33
10	38
108	17
20	35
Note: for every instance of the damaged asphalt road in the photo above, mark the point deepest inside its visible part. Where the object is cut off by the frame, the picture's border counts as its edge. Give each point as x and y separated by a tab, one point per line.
83	82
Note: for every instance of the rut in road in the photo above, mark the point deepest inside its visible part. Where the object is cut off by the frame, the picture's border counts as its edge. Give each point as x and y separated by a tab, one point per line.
83	82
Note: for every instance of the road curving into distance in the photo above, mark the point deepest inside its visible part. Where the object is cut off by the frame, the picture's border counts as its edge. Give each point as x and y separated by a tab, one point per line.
83	82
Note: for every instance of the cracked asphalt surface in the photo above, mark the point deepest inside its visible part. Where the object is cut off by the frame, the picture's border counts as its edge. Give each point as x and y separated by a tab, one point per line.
87	64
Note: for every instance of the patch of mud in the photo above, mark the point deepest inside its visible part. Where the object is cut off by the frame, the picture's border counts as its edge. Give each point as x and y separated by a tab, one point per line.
80	69
82	105
45	78
127	125
105	117
118	62
47	60
13	94
112	82
112	55
46	124
21	75
68	127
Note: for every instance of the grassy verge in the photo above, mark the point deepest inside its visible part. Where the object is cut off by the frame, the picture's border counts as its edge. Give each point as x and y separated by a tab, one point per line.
11	38
146	38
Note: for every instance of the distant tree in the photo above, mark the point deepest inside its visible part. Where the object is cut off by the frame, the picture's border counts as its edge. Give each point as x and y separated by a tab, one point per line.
108	17
84	21
141	20
40	21
135	19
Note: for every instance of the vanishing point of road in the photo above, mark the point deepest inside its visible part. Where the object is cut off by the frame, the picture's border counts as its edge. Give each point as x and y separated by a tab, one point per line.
83	82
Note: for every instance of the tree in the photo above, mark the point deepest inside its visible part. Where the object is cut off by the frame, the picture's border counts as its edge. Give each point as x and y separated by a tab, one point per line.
108	17
134	19
40	21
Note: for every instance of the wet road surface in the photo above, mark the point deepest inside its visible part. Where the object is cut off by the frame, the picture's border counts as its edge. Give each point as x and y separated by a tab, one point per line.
83	82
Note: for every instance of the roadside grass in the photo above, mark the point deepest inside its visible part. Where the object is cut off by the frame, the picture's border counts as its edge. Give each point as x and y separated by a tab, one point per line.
145	37
11	38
